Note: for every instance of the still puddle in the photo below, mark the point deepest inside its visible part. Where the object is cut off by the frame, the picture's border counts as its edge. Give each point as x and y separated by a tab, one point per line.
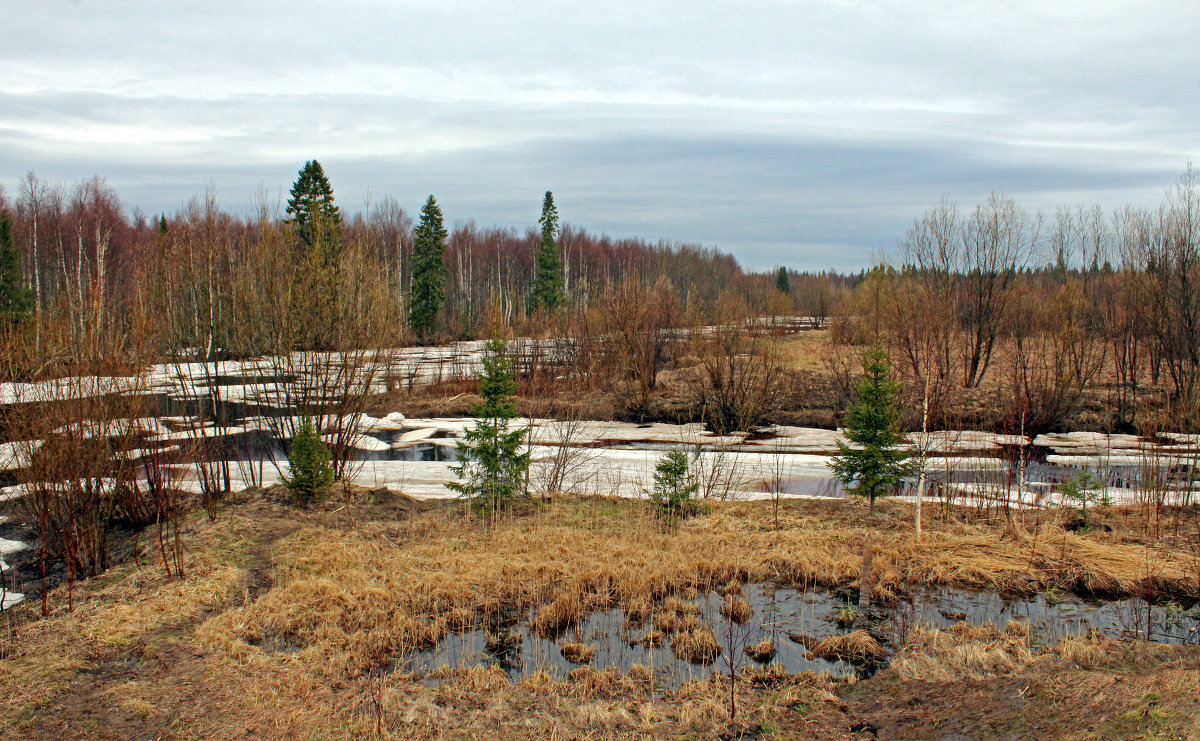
519	651
782	616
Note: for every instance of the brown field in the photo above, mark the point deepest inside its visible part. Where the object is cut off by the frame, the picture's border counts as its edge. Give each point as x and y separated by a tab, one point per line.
285	616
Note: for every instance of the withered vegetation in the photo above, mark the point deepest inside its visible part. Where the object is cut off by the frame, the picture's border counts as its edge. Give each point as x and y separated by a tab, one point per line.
289	624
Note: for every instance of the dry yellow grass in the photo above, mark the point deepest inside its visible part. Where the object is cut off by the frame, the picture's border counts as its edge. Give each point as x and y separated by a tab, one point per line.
856	646
351	600
763	651
297	658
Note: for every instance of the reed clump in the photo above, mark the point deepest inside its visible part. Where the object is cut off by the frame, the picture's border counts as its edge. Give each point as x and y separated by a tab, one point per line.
858	646
578	653
737	609
762	652
696	645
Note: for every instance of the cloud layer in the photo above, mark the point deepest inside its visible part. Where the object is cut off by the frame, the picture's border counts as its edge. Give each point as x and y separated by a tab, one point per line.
806	134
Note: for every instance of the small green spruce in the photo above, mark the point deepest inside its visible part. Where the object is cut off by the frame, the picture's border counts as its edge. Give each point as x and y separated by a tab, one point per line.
1084	488
492	465
428	291
874	464
309	469
548	281
782	284
675	489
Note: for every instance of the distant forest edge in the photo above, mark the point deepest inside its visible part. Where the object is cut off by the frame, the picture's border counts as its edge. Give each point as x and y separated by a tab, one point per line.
84	251
1040	313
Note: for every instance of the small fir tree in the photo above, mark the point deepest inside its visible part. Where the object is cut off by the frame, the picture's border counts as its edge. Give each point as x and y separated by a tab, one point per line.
548	281
873	465
429	271
314	215
492	467
16	301
1084	488
309	469
782	284
674	487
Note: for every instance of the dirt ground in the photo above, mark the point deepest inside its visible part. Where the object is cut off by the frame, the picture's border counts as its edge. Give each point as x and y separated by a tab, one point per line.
285	616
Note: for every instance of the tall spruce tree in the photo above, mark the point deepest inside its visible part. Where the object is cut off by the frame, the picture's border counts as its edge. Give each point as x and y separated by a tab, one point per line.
873	465
548	281
492	468
16	301
782	284
428	271
317	220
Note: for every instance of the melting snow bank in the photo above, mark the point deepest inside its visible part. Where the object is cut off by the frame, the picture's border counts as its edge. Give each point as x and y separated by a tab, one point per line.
8	599
416	456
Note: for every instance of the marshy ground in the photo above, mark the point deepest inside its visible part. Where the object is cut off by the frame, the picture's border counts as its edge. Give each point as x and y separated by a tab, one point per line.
295	623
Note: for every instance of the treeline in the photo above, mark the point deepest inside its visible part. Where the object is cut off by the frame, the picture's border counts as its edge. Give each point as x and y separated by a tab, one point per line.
88	265
1042	314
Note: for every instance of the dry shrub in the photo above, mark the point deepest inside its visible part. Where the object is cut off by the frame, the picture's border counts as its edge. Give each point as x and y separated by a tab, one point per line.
578	653
857	646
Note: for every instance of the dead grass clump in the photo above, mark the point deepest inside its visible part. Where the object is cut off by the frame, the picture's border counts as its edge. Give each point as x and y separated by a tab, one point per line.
737	609
652	639
697	645
858	646
961	651
637	609
578	653
763	651
587	682
551	620
460	620
1091	651
965	631
640	674
734	588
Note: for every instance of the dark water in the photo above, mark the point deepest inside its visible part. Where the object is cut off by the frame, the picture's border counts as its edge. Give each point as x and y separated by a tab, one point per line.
1050	619
778	613
519	651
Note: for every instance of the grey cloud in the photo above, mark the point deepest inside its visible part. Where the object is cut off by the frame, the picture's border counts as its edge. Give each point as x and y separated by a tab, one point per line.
800	133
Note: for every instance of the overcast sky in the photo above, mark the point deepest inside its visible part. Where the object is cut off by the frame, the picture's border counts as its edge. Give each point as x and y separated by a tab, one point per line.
800	133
